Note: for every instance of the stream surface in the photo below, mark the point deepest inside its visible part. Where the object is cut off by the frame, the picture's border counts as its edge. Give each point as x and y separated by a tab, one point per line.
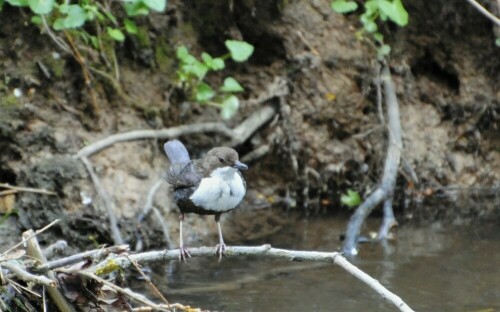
431	268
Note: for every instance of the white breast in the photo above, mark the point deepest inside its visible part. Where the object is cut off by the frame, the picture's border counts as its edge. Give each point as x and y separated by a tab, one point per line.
220	192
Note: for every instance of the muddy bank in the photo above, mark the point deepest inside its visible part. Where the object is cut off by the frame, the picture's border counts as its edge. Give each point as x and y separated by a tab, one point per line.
444	63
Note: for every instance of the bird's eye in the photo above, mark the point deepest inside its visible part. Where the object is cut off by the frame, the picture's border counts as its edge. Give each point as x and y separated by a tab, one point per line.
221	159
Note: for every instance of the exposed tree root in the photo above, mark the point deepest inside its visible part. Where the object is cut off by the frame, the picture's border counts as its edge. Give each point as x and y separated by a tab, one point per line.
384	191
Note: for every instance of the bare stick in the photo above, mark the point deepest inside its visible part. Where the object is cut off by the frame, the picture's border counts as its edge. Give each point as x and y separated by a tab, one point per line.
149	200
27	189
264	251
91	254
24	275
35	251
32	235
108	204
154	134
485	12
392	160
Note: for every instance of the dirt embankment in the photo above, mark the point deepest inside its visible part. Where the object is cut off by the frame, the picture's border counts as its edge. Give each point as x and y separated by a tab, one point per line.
445	65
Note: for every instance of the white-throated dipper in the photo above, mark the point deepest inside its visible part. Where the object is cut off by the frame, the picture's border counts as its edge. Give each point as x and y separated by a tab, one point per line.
208	186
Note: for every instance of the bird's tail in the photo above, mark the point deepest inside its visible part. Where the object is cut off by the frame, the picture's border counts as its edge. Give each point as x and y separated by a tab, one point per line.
176	152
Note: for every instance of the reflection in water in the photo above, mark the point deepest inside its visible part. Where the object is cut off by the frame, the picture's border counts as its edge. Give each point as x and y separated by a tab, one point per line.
431	268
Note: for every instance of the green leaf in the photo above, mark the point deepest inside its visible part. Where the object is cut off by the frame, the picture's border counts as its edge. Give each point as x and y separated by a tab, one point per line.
384	50
36	19
183	55
20	3
342	6
41	6
351	199
197	68
231	85
370	26
402	15
130	26
378	37
240	50
136	8
204	92
1	5
394	10
75	17
229	107
157	5
212	63
497	42
115	34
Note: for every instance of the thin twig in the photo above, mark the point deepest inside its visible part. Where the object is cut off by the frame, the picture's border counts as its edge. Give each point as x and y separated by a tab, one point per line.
108	203
27	189
485	12
148	280
32	235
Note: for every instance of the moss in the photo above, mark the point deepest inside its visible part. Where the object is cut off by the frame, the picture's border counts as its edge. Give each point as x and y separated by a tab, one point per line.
163	57
9	101
143	37
55	65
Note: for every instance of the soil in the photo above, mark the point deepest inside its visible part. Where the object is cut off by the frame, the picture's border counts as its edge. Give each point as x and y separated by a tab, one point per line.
445	64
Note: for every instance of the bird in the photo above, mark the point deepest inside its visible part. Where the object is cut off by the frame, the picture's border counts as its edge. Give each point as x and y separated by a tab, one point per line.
211	185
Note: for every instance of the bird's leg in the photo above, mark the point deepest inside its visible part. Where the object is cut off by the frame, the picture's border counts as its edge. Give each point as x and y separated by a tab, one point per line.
221	247
183	251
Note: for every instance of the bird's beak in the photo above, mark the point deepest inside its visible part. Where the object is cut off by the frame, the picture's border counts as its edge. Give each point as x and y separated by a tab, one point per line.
239	165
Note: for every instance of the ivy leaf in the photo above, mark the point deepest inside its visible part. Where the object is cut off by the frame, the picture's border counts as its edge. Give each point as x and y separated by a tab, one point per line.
75	17
394	10
130	26
183	55
342	6
351	199
41	6
115	34
229	107
383	50
197	68
213	63
36	19
21	3
204	92
231	85
157	5
240	50
136	8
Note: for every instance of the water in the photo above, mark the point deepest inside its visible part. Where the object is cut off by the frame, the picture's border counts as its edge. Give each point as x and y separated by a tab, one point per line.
430	268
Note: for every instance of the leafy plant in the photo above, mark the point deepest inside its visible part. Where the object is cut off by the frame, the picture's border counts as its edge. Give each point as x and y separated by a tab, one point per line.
192	73
60	15
351	199
392	10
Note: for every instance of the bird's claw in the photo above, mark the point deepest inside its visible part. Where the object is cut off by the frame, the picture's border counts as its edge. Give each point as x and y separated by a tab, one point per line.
183	254
219	250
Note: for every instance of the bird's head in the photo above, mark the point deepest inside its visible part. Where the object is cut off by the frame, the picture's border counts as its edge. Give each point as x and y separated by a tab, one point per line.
220	157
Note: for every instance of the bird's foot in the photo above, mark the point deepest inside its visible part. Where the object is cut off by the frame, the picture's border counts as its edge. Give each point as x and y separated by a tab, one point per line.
219	250
183	254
